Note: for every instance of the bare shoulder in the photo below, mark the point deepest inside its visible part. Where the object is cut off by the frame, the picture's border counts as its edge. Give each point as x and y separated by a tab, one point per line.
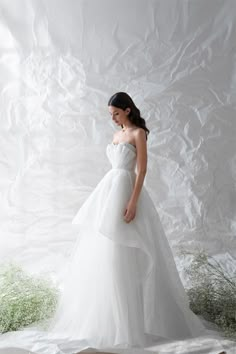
140	132
140	136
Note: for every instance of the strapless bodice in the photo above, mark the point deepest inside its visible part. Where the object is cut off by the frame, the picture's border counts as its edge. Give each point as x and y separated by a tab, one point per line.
122	155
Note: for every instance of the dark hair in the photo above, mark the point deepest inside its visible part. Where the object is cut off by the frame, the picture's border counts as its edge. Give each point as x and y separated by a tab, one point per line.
123	100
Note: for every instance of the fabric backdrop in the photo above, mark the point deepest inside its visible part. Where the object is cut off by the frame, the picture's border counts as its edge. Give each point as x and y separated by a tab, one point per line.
60	61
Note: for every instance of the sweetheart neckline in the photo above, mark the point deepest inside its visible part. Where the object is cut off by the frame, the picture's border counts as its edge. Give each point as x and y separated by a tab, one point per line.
123	142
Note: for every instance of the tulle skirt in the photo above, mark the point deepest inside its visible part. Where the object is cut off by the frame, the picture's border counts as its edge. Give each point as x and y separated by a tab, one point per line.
121	284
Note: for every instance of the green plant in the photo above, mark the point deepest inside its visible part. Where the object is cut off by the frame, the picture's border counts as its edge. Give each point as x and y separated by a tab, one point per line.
213	291
24	299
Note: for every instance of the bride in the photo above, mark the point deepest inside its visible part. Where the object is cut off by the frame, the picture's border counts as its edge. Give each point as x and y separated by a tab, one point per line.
122	287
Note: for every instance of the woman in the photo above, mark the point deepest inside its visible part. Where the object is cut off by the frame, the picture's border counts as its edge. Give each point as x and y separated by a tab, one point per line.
134	131
122	287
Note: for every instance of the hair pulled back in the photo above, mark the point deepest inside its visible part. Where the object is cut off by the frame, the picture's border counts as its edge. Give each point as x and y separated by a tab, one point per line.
123	100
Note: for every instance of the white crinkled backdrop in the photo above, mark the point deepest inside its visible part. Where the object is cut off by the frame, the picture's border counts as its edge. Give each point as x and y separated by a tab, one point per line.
60	61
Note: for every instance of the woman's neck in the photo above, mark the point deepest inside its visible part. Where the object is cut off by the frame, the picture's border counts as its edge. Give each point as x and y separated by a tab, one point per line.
127	127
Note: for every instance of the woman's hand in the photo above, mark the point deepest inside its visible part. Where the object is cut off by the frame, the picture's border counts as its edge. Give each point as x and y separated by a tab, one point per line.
130	212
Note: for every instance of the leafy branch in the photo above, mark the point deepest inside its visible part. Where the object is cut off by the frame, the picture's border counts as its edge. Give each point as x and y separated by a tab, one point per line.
24	299
213	291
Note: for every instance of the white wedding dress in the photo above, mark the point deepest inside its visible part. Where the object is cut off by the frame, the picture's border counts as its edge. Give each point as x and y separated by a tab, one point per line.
121	285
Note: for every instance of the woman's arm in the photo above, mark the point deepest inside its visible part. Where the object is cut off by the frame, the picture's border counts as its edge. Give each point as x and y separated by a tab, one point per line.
141	148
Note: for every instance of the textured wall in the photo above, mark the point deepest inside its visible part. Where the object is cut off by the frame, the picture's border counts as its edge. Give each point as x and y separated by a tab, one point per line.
60	61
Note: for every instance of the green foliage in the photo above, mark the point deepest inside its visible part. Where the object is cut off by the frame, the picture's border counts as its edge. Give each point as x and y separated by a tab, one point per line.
213	291
24	299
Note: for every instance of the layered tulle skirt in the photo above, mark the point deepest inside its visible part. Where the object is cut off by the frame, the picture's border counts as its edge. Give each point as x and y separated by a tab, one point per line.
121	283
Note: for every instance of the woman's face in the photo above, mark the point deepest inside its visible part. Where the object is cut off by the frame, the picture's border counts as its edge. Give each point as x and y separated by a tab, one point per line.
119	116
